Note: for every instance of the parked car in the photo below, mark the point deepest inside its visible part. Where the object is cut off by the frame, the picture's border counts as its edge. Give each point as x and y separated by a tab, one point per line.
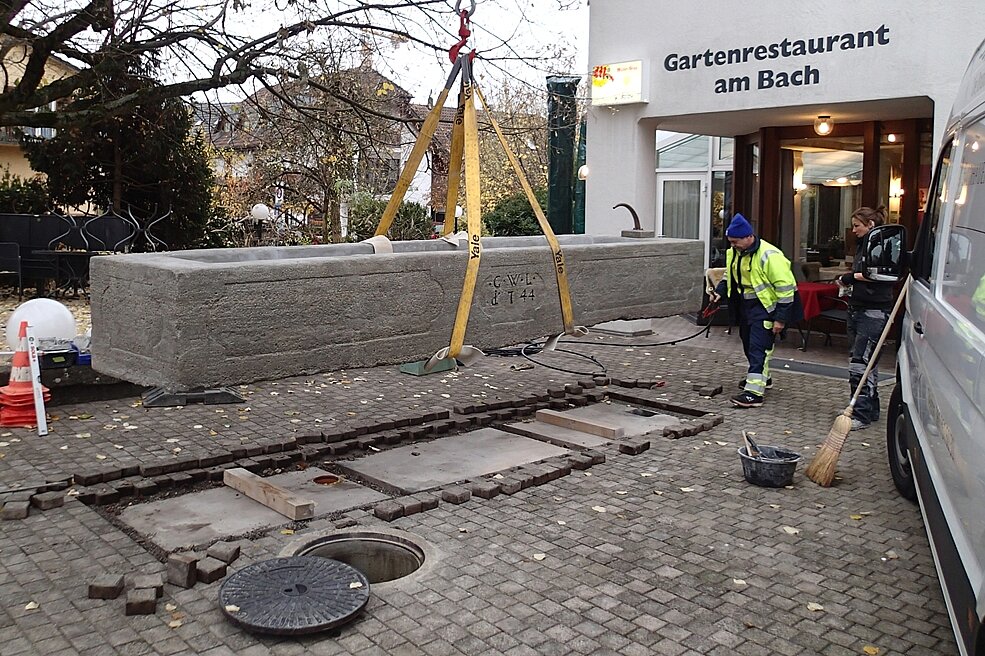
936	429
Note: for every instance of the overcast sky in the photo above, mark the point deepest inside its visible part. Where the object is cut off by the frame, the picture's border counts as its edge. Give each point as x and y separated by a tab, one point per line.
531	27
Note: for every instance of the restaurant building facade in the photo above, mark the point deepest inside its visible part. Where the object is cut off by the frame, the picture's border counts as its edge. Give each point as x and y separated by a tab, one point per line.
792	114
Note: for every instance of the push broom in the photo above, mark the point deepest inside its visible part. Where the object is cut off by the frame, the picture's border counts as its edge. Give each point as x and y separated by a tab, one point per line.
822	467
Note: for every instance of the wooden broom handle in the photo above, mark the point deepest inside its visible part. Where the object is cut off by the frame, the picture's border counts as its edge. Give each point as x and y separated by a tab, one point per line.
882	339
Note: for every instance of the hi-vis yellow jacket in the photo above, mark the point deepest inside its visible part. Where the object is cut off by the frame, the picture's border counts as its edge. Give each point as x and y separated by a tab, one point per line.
764	273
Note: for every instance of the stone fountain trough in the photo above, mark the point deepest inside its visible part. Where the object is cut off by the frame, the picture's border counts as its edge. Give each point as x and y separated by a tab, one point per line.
210	318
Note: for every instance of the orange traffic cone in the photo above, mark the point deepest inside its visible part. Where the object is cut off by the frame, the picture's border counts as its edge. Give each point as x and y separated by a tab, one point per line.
17	397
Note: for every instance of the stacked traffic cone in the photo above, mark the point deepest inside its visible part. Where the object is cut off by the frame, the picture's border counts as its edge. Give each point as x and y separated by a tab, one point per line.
17	398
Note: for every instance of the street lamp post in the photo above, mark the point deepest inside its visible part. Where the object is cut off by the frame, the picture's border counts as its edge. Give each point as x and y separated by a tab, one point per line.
260	213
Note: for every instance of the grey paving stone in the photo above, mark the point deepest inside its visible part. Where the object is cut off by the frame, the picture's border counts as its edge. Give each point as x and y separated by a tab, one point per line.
208	569
141	601
153	582
181	569
227	552
106	586
15	510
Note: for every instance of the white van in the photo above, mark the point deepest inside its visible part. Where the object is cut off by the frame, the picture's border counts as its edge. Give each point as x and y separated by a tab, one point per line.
936	428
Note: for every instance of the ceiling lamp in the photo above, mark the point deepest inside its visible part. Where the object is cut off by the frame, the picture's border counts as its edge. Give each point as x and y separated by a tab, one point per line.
823	125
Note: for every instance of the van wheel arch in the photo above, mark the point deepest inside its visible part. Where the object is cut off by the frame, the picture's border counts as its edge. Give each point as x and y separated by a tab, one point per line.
899	435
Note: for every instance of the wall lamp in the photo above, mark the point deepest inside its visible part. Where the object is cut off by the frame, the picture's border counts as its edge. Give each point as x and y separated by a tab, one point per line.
824	125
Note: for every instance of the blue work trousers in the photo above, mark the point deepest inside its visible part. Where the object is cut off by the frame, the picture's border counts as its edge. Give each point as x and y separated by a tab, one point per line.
756	331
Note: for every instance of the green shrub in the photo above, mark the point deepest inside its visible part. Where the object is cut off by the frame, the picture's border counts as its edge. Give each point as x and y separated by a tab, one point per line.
20	196
365	211
514	217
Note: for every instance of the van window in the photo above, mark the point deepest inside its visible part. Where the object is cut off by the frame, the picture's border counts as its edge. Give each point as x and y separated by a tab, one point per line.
963	283
923	264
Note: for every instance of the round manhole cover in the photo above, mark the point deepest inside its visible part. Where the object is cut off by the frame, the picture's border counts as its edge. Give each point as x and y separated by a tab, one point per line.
294	596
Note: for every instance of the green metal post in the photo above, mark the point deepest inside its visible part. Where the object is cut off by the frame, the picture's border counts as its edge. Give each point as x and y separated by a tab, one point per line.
579	220
561	116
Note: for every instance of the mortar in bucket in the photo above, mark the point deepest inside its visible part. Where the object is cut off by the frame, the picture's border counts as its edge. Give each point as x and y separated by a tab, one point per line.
774	467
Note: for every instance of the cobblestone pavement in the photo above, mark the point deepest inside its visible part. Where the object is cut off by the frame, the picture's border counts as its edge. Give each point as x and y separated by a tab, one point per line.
686	558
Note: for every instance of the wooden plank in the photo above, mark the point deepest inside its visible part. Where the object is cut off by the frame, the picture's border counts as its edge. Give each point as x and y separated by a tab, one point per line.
592	427
273	496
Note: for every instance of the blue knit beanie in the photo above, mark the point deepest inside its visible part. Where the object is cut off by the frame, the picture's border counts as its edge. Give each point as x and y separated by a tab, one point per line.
738	228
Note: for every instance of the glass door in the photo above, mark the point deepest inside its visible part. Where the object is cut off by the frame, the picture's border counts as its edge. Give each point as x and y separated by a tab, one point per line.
682	203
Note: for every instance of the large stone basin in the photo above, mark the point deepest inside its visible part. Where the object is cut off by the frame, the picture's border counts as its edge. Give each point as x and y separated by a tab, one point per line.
210	318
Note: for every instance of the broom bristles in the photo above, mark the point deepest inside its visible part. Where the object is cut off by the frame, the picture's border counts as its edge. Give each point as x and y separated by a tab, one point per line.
822	467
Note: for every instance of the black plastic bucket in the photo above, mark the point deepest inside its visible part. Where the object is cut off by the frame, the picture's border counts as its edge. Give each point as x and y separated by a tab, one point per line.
774	468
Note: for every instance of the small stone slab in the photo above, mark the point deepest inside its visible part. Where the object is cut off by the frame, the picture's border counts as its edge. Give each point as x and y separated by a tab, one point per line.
227	552
634	447
210	569
106	586
142	601
181	569
15	510
485	489
48	500
456	495
294	596
389	510
153	582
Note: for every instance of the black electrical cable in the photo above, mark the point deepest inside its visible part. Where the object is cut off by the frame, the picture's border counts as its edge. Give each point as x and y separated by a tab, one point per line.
591	358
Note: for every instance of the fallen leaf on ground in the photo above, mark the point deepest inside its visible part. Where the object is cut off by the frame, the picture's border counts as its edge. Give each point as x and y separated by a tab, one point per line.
855	517
287	531
588	473
738	581
540	556
170	607
687	489
775	506
100	457
646	474
31	606
498	476
814	607
621	492
600	509
355	584
463	530
562	522
870	650
720	443
791	530
892	555
658	493
232	608
174	624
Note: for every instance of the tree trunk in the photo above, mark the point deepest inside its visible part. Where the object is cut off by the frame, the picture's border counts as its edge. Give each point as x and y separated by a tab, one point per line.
336	213
117	175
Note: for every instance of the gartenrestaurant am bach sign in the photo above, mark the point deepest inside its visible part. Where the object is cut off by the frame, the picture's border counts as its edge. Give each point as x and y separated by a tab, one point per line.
769	78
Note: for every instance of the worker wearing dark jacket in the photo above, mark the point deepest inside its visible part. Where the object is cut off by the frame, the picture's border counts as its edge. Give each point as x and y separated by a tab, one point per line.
760	286
869	305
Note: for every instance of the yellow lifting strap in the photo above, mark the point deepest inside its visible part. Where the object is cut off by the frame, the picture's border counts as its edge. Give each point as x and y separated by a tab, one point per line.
428	129
473	209
455	164
560	271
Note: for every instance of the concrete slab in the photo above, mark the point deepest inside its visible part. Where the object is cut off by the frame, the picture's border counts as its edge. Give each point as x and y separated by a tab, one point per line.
556	435
201	517
634	421
623	328
418	467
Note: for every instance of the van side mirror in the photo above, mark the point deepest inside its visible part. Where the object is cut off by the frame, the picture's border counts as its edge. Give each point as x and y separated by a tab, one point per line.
885	257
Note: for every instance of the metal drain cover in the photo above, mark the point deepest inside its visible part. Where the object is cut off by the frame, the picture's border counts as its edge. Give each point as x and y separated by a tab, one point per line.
294	596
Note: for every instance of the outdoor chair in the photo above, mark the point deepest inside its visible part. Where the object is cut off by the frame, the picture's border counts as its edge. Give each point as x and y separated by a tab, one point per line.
837	314
10	264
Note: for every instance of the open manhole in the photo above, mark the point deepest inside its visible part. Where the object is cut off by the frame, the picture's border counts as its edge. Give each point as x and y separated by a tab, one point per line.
327	479
381	557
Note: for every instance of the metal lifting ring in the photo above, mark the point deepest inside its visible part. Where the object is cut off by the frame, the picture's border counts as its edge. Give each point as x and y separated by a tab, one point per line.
458	8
